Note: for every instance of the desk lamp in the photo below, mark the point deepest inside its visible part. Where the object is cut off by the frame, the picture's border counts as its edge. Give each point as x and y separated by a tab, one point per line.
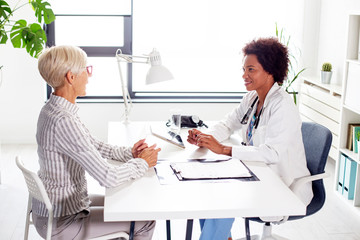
157	73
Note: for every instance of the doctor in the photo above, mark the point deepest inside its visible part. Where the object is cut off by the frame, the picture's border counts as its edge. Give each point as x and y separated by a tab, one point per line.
269	122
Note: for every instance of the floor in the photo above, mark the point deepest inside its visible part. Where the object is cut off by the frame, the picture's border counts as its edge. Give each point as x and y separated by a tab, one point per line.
336	221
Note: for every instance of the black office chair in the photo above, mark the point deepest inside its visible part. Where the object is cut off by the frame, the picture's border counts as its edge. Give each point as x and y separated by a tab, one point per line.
317	142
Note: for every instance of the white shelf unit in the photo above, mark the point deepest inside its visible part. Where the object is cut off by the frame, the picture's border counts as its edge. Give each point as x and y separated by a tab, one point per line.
350	103
321	103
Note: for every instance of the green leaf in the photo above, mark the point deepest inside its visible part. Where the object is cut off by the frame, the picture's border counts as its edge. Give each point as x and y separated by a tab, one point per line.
5	10
16	33
294	96
43	11
3	37
32	37
35	40
296	76
288	41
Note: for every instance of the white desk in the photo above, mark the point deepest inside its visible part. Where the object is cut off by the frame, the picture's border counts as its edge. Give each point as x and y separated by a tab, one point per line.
147	199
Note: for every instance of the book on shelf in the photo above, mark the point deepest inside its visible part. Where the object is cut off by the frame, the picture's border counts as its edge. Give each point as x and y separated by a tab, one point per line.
351	139
356	133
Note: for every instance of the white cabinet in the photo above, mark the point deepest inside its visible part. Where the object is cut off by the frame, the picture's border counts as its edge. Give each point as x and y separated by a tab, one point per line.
350	105
321	103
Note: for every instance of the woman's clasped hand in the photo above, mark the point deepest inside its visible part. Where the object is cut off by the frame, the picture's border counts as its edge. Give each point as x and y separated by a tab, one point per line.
142	150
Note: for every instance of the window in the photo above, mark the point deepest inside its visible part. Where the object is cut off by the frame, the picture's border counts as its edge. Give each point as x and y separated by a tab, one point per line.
99	30
200	42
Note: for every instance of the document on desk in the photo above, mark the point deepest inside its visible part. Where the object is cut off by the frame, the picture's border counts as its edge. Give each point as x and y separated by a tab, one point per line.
232	168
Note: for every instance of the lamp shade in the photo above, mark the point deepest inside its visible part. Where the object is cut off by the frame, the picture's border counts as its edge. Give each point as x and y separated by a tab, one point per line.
157	72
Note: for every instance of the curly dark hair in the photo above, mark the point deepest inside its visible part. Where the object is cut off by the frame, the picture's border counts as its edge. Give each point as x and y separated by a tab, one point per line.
272	55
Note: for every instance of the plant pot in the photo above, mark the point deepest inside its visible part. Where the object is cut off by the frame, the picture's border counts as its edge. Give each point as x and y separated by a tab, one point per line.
358	147
325	77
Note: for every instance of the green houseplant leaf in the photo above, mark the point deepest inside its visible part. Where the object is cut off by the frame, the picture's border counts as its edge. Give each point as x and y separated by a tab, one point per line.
32	37
36	39
292	75
5	13
16	33
5	10
43	11
3	37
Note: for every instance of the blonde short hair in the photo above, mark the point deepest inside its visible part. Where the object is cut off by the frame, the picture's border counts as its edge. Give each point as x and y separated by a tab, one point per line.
55	62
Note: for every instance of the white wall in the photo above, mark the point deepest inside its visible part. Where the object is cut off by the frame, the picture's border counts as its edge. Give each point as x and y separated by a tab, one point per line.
329	37
22	93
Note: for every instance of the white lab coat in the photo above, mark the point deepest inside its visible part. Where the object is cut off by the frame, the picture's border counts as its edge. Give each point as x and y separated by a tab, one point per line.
277	141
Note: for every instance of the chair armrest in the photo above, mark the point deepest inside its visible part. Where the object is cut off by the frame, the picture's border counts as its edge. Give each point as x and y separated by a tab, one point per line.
299	182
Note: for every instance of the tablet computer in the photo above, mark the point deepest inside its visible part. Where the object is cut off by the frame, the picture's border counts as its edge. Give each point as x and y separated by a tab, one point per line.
166	134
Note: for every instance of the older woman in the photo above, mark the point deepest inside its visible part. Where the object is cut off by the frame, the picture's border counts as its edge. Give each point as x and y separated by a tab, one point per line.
270	124
67	150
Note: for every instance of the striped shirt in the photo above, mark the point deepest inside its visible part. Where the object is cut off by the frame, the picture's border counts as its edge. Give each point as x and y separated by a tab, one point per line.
66	150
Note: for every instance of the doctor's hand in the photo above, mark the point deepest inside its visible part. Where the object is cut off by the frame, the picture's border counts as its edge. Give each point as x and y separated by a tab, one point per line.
150	155
192	137
209	141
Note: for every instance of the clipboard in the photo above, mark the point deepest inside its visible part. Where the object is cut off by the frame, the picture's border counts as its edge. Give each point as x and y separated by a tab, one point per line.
231	169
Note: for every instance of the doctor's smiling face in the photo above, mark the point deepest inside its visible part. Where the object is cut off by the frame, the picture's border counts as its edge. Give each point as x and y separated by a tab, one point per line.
255	77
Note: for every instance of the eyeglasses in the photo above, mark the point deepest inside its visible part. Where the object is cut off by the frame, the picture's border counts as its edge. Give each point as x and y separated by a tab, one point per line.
89	70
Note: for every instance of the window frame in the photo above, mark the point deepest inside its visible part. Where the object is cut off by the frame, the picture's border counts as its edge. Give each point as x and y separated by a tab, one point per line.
141	96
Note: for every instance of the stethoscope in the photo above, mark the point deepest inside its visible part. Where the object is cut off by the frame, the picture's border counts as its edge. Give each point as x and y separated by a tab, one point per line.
246	117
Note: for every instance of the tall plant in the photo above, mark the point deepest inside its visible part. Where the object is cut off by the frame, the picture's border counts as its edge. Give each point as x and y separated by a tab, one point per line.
22	34
292	73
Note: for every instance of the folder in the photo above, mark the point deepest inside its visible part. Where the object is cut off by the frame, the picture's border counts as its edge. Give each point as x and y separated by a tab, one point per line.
340	185
349	179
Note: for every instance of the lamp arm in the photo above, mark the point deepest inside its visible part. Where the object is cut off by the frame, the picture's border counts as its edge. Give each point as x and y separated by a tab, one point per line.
131	58
125	92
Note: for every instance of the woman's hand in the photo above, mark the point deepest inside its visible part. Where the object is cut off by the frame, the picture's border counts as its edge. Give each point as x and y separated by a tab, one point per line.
205	140
150	155
138	148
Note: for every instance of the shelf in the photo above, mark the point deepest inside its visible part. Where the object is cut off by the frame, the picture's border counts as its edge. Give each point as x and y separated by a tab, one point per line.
350	113
351	109
350	154
355	61
333	89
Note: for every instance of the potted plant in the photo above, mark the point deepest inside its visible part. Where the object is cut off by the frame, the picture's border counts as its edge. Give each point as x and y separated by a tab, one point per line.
292	73
326	72
22	34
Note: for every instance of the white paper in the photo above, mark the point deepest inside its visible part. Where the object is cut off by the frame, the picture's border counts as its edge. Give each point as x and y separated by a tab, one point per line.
233	168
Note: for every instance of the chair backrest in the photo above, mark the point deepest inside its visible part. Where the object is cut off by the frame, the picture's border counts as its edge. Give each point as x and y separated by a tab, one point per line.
34	184
317	142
